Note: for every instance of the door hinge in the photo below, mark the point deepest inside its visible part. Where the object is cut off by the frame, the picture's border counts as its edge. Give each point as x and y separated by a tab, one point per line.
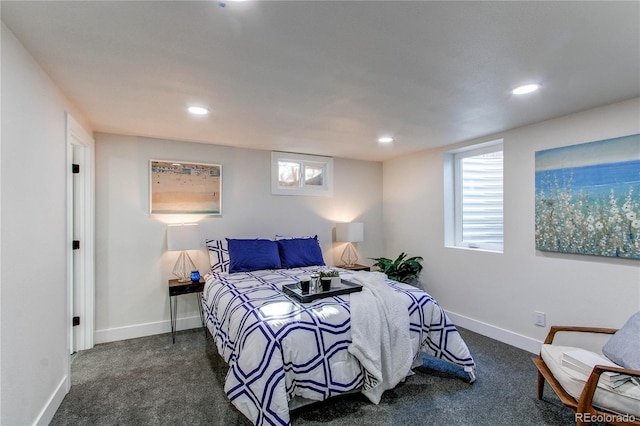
75	168
75	321
76	244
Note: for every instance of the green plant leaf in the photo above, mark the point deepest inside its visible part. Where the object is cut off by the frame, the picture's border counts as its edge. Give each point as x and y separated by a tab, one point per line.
401	269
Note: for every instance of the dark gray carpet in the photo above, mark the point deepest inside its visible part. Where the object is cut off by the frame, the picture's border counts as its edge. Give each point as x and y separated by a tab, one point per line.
150	381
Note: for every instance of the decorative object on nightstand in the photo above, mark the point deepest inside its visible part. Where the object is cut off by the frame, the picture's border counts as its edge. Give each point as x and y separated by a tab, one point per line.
182	238
351	232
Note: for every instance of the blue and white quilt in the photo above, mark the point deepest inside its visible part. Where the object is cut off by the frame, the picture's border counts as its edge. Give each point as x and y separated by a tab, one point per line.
278	348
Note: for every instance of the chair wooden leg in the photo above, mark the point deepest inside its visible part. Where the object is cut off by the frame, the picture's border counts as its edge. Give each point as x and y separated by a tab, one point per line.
540	385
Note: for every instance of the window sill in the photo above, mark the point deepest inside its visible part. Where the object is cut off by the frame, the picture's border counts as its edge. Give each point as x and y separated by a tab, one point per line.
484	250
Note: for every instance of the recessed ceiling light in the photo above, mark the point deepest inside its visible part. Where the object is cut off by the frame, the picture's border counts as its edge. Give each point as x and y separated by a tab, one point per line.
385	139
527	88
198	110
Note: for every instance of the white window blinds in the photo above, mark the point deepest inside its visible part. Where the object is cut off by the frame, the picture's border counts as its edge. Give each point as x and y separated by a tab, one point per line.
479	199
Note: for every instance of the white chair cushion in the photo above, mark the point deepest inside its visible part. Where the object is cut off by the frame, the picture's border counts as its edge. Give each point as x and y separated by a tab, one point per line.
624	399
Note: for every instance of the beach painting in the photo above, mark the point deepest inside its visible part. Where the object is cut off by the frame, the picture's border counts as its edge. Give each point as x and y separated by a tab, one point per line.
178	187
588	198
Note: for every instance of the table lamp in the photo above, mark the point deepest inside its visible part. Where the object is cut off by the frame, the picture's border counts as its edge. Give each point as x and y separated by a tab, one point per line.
182	238
351	232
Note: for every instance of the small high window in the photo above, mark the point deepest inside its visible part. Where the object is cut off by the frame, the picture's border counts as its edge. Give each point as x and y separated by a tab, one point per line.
299	174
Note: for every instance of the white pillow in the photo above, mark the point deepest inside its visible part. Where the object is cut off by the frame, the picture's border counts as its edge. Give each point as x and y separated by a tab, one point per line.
218	255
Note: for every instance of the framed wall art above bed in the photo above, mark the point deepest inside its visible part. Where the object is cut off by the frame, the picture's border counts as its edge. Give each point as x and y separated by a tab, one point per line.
177	187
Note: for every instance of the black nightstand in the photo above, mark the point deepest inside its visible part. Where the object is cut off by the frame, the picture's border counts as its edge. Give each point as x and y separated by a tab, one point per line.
176	289
355	267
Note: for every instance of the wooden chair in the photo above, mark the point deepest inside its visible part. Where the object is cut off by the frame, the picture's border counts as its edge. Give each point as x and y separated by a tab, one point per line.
583	407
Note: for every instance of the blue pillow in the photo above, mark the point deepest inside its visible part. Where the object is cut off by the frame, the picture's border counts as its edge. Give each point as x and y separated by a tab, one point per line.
298	252
251	255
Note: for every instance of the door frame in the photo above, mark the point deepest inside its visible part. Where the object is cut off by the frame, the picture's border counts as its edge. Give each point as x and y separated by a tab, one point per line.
78	139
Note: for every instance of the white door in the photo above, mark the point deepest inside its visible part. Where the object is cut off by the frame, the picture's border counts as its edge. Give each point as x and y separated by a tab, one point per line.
80	207
78	258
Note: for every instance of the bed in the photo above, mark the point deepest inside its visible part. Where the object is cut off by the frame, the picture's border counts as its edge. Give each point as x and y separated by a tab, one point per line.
281	351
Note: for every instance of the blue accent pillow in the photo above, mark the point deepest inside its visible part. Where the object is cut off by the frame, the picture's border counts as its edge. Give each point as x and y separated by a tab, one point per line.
623	347
299	252
252	255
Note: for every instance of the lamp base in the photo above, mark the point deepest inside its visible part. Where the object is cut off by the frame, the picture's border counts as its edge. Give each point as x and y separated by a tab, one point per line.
349	256
183	267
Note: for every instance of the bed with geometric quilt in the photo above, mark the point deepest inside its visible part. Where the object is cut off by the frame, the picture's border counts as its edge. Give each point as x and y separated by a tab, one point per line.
280	350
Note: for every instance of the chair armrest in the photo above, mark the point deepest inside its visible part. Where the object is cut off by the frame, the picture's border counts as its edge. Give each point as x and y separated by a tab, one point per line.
556	328
585	403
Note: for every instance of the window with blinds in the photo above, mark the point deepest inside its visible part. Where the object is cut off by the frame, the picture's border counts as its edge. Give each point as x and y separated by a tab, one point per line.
478	197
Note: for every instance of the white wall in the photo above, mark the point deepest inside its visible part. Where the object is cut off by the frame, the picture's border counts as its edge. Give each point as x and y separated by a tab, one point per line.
34	319
132	264
496	294
492	293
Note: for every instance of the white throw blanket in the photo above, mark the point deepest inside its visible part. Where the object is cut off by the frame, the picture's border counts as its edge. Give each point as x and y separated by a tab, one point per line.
379	334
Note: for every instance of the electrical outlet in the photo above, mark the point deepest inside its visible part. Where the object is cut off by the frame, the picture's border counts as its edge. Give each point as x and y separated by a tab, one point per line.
540	318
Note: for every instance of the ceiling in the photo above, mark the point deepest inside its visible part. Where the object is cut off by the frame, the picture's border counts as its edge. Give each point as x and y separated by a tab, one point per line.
329	78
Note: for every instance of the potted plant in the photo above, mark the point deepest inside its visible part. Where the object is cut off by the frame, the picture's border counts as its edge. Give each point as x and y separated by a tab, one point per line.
403	269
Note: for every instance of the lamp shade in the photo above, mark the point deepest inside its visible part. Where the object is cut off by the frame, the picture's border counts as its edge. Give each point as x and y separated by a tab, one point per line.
351	232
183	237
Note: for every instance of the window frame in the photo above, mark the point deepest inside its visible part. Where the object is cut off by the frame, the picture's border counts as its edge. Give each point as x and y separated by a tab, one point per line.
453	196
325	163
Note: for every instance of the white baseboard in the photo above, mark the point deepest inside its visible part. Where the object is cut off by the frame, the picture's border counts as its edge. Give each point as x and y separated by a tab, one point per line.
505	336
150	329
142	330
52	405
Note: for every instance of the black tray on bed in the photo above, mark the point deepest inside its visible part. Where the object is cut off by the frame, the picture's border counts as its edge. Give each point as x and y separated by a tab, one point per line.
344	287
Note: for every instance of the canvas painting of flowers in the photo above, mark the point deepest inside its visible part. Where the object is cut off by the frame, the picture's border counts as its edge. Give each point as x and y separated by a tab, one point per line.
588	198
